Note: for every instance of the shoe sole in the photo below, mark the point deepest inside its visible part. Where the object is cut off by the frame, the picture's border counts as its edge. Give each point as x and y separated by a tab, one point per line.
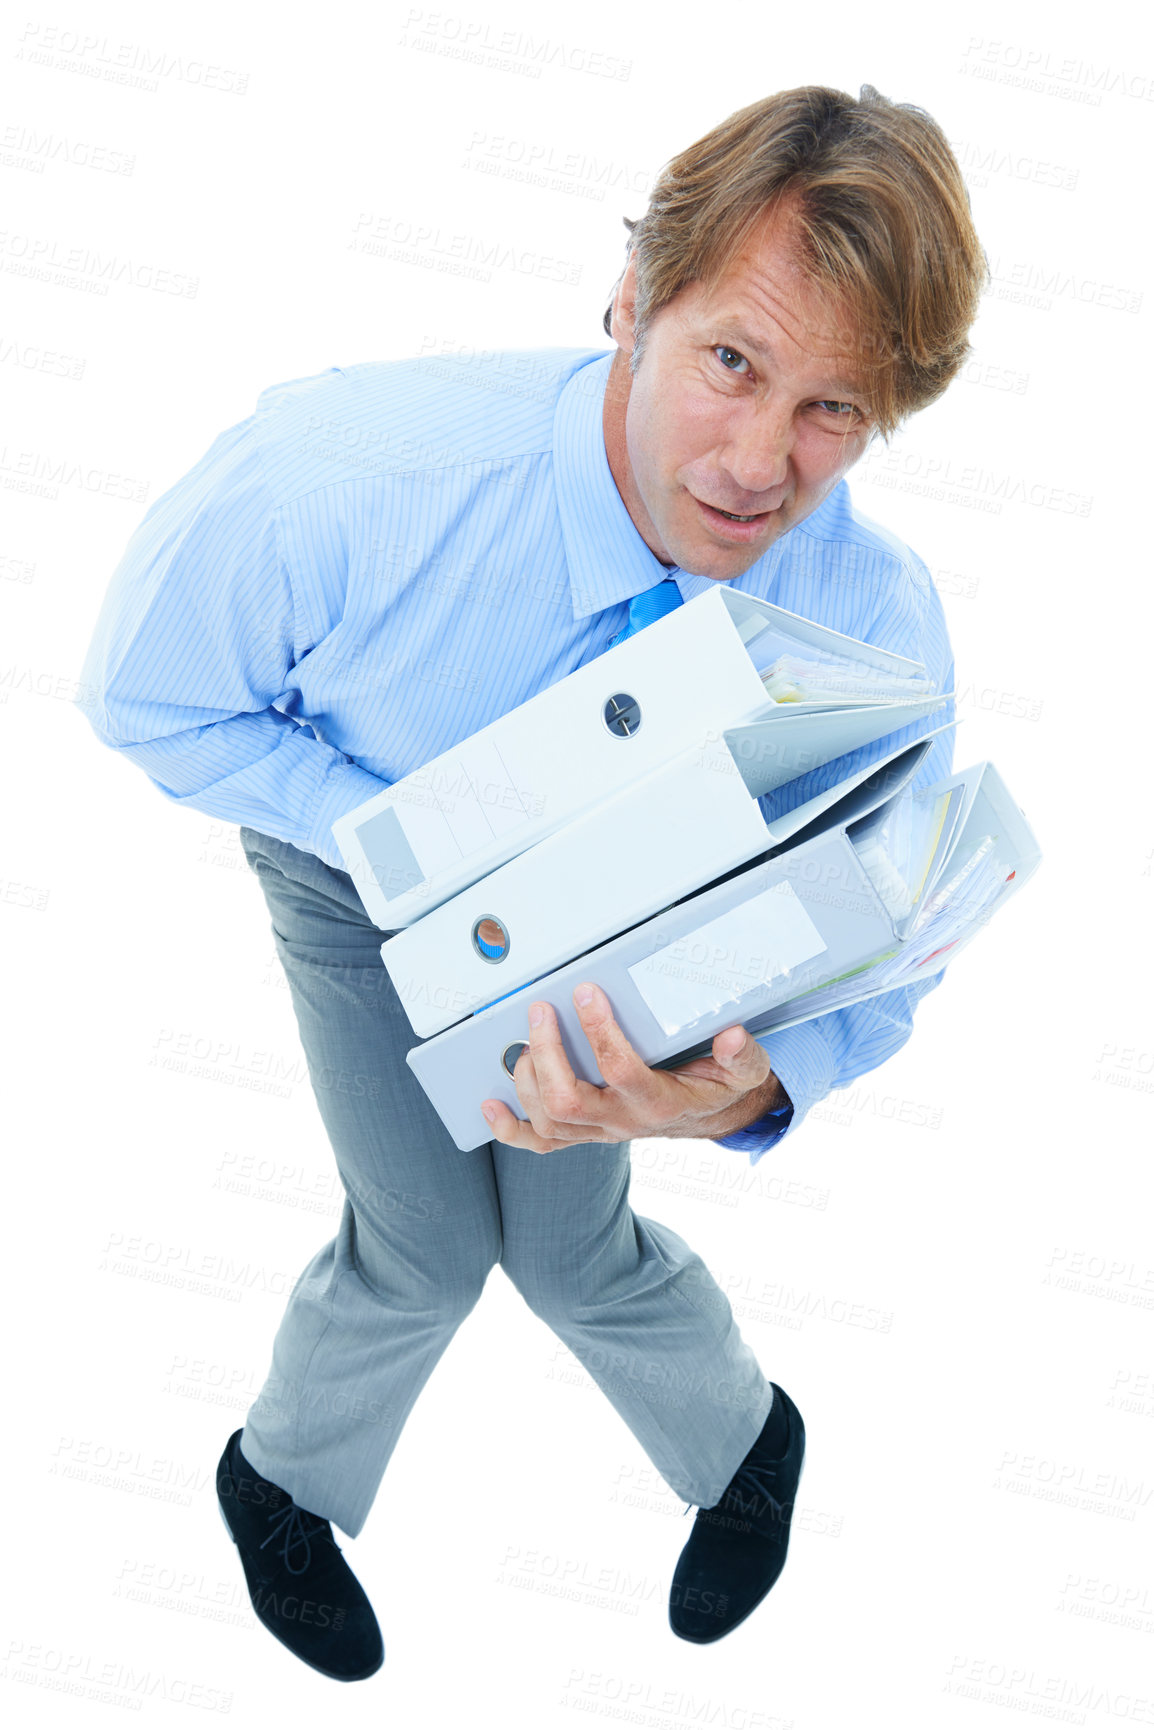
332	1675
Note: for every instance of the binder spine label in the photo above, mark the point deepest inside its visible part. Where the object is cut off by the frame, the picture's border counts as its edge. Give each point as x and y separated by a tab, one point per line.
754	946
392	860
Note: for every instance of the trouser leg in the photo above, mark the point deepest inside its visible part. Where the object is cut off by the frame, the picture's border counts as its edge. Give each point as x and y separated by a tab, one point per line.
637	1307
420	1225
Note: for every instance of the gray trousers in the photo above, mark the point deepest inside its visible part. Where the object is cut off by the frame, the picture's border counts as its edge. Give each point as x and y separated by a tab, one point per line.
422	1226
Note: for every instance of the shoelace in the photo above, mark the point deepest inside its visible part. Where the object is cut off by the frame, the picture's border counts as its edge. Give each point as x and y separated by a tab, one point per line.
752	1478
289	1523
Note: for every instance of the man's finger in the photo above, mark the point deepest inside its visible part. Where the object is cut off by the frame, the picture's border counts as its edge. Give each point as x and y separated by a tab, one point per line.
740	1055
540	1131
514	1132
563	1098
529	1094
504	1125
620	1065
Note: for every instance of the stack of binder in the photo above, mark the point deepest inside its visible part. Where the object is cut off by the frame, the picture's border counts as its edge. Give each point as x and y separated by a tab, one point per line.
611	829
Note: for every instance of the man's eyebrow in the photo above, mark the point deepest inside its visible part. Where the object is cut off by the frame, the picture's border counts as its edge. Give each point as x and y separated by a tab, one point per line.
746	338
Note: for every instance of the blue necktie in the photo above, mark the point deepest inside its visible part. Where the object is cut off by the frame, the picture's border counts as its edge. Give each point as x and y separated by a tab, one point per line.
651	604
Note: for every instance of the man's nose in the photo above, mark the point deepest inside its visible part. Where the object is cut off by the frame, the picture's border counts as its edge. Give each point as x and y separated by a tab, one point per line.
758	450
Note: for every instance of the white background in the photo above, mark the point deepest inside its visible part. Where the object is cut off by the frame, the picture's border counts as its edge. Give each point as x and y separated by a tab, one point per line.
950	1268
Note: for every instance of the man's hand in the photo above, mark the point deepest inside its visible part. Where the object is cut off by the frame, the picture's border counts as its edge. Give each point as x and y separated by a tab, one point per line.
710	1097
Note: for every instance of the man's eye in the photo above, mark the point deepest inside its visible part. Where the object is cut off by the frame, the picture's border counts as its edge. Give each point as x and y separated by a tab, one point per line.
731	360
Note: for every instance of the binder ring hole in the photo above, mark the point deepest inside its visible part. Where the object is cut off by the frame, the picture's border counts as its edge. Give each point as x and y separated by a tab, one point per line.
490	939
511	1053
622	715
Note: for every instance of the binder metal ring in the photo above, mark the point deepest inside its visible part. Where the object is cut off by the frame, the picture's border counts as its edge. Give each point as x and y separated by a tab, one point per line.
622	715
511	1053
490	938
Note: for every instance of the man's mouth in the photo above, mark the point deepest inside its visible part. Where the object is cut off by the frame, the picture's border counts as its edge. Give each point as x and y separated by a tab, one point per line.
739	528
745	517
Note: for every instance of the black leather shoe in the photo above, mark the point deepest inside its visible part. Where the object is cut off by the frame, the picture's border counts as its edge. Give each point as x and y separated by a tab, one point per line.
301	1587
737	1548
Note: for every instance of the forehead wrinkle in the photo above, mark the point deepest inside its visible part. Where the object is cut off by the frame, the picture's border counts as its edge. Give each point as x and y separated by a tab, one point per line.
769	264
757	340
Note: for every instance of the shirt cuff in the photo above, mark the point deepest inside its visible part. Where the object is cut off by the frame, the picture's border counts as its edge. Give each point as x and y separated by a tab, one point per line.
804	1064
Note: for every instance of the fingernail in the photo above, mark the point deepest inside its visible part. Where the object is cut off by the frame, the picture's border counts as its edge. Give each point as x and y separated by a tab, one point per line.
583	996
536	1015
489	1114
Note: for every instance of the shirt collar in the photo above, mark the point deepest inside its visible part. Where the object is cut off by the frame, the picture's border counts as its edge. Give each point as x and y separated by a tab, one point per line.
607	559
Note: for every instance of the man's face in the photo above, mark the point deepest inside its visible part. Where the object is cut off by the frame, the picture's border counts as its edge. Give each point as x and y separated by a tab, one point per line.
743	402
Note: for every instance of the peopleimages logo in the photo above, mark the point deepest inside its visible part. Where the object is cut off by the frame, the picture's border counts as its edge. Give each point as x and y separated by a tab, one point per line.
537	162
1021	1688
403	241
32	358
45	473
48	259
24	147
1069	77
128	63
1029	283
485	44
979	161
970	483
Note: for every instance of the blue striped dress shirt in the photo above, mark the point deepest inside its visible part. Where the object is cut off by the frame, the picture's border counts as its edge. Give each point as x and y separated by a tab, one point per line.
385	557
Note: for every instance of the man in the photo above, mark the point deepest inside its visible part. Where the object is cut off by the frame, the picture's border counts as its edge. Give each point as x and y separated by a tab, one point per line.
385	558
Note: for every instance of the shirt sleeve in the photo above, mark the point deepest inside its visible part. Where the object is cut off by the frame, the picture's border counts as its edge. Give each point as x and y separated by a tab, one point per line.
191	652
832	1050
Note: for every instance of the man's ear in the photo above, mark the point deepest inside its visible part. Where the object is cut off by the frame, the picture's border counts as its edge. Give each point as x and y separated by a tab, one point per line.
621	319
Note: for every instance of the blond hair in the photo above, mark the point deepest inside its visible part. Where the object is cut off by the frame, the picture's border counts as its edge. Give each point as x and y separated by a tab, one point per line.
880	218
